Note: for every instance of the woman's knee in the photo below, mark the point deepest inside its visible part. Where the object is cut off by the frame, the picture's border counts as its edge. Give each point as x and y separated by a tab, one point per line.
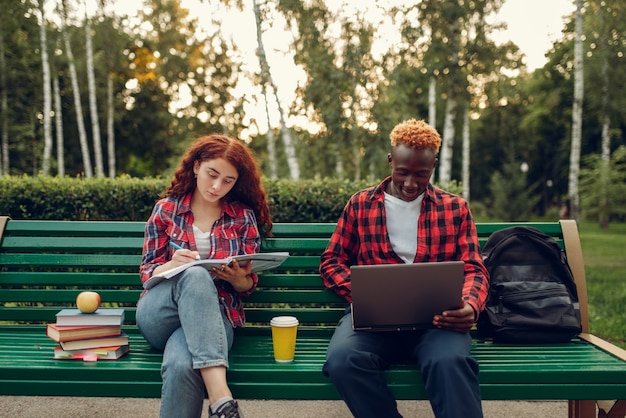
197	279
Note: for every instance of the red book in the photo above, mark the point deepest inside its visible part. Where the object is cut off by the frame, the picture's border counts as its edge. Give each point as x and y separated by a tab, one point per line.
72	333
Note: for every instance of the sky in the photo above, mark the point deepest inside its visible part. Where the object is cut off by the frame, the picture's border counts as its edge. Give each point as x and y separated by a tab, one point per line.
533	25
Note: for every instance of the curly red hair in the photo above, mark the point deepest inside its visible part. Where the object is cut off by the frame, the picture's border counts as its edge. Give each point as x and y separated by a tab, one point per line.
416	134
248	188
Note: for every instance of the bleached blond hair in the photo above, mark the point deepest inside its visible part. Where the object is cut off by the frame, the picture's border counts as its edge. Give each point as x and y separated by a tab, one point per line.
415	134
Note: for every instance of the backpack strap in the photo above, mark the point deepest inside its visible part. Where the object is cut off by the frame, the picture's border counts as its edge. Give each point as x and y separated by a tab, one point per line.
574	253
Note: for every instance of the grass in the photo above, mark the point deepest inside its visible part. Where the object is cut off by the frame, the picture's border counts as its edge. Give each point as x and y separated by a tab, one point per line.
605	267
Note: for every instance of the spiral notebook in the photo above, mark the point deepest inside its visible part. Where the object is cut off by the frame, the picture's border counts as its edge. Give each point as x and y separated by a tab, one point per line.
401	297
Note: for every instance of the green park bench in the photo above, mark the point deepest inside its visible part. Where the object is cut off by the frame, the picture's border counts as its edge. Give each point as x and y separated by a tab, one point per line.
45	264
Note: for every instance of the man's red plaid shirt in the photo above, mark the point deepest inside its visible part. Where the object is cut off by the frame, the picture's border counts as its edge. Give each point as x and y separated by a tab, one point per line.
445	232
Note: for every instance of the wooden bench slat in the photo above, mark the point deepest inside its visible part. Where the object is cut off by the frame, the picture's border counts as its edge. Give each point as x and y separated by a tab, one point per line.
64	278
95	244
299	230
319	296
295	246
76	261
66	296
75	228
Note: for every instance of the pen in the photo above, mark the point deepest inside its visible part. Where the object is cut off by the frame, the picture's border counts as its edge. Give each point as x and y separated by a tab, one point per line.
178	247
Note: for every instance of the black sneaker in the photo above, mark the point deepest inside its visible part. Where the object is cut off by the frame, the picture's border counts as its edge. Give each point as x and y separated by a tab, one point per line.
228	410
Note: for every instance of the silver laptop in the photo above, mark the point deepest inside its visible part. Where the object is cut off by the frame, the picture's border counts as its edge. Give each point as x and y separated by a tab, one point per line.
402	297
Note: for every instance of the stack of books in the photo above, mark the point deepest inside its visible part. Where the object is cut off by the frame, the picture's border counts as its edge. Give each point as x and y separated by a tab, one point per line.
89	337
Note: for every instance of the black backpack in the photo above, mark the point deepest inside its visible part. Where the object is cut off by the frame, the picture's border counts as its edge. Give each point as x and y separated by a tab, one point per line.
532	296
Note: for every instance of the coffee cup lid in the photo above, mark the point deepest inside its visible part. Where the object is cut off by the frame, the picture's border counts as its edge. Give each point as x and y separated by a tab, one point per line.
284	321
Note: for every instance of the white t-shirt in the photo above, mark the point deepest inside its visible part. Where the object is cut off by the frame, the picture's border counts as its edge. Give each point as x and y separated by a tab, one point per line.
203	241
402	225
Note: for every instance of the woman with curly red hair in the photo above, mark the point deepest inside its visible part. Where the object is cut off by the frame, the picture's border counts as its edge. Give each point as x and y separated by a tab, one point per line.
215	207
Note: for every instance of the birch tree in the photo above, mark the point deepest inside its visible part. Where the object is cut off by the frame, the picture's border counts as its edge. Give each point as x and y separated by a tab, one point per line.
450	42
465	171
605	120
58	118
577	110
268	83
110	107
432	101
271	141
4	106
93	102
604	23
82	133
47	96
447	140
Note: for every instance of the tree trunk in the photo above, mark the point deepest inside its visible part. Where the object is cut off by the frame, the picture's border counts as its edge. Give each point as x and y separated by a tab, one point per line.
356	149
266	77
82	133
271	141
466	154
110	119
445	159
432	101
93	103
432	112
58	117
47	97
111	127
577	110
4	107
605	122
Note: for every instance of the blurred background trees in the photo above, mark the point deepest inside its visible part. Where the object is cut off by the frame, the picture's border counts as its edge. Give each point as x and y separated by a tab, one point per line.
160	79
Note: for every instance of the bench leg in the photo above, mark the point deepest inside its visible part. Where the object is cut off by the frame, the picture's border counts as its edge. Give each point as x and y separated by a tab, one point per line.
615	409
581	409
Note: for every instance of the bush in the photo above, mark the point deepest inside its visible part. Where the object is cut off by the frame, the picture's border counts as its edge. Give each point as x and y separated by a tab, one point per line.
132	199
66	198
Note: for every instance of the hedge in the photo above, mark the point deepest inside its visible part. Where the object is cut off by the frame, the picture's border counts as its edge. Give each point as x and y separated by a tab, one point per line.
132	199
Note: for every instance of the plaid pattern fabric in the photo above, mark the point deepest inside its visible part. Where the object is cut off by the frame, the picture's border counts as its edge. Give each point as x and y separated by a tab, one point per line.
235	233
446	232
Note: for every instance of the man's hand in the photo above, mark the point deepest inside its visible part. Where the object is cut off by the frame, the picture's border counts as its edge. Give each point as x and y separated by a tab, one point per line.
460	320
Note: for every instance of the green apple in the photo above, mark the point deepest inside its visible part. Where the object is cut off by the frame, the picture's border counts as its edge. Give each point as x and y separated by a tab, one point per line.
88	302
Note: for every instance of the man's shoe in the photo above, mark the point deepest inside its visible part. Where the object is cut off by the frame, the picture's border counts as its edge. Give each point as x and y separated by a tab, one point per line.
229	410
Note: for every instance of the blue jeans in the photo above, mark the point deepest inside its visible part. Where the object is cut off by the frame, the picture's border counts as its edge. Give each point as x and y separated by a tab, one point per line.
184	319
355	361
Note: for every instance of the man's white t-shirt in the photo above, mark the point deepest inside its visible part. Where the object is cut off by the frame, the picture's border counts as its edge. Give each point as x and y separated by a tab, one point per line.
402	225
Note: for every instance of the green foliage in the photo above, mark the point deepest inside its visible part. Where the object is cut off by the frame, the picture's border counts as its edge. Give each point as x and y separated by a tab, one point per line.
132	199
603	187
351	95
512	199
66	198
310	200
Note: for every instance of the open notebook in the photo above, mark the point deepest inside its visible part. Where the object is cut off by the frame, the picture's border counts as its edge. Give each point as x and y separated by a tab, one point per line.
260	262
399	297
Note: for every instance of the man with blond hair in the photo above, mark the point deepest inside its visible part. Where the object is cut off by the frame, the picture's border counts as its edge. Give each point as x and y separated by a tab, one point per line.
405	219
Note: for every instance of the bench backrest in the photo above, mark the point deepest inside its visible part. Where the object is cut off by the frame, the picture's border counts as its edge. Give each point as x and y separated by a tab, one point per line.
45	264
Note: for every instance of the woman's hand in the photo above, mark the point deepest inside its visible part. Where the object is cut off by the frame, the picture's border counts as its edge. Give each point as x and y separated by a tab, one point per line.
180	257
460	320
183	256
235	274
